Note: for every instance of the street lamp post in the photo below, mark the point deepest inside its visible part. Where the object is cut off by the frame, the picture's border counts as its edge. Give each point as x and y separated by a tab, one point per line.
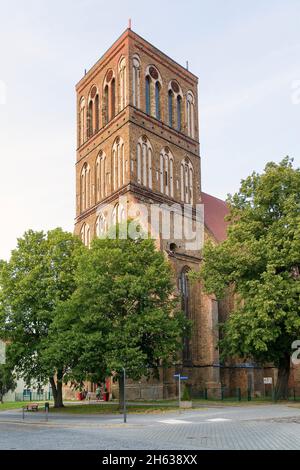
124	395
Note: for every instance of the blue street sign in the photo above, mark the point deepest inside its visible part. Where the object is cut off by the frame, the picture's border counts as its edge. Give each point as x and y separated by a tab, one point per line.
182	377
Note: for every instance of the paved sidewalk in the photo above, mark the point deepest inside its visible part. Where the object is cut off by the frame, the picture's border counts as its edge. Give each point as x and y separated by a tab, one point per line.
255	427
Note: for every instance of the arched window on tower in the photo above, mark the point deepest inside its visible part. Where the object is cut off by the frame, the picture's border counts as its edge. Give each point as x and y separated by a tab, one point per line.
97	120
148	95
106	106
113	98
144	162
82	129
174	104
109	97
179	112
90	120
85	189
136	66
119	164
166	172
101	226
122	83
157	100
186	181
118	214
184	287
100	182
92	112
153	85
190	114
170	106
85	235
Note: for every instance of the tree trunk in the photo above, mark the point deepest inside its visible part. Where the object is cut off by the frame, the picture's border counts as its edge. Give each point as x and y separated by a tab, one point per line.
57	390
121	391
282	389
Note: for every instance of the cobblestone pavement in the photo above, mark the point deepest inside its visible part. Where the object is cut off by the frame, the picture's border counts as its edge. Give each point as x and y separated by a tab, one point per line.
251	427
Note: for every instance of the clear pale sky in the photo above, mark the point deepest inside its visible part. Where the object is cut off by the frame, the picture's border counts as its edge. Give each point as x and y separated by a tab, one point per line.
247	57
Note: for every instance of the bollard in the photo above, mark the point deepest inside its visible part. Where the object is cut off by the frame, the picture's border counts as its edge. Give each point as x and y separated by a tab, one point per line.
273	394
23	412
238	393
47	406
222	393
249	394
205	394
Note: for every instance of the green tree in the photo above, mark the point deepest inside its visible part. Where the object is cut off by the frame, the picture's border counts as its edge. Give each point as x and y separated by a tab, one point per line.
259	262
37	279
7	380
126	310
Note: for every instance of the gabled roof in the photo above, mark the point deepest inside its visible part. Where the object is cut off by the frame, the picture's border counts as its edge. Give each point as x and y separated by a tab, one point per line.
215	210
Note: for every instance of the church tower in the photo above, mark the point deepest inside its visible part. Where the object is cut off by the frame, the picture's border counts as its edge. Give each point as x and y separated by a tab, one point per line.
138	143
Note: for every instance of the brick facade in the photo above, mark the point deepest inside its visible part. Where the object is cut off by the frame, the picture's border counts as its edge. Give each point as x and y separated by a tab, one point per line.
114	97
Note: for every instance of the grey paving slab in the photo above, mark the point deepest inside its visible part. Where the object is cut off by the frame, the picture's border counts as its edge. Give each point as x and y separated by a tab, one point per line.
254	427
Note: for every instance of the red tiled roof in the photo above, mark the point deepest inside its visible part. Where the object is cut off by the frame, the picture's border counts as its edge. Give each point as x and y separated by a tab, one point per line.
214	212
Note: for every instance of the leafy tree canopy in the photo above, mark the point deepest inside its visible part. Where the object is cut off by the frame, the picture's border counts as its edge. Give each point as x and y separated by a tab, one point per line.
38	277
124	307
259	262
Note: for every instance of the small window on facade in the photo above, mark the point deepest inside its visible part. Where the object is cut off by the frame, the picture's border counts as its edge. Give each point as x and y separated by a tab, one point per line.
148	97
170	103
157	100
179	102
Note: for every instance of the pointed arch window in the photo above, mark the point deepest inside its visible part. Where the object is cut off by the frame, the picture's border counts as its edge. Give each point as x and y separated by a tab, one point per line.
82	121
122	83
153	85
179	112
190	114
187	181
167	172
157	100
101	225
100	176
90	119
144	162
85	235
148	95
85	189
113	98
97	120
106	106
118	214
136	81
174	104
170	105
119	163
109	97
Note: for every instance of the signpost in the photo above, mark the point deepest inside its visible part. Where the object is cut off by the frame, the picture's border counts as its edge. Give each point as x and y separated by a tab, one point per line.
180	378
268	380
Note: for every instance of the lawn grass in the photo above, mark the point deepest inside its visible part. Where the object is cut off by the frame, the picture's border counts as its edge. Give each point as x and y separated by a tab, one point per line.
14	405
142	406
111	408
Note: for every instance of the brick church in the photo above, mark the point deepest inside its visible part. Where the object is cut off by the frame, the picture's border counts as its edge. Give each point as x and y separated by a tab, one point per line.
138	142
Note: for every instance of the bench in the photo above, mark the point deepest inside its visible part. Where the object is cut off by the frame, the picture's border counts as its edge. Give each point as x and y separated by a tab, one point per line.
31	407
